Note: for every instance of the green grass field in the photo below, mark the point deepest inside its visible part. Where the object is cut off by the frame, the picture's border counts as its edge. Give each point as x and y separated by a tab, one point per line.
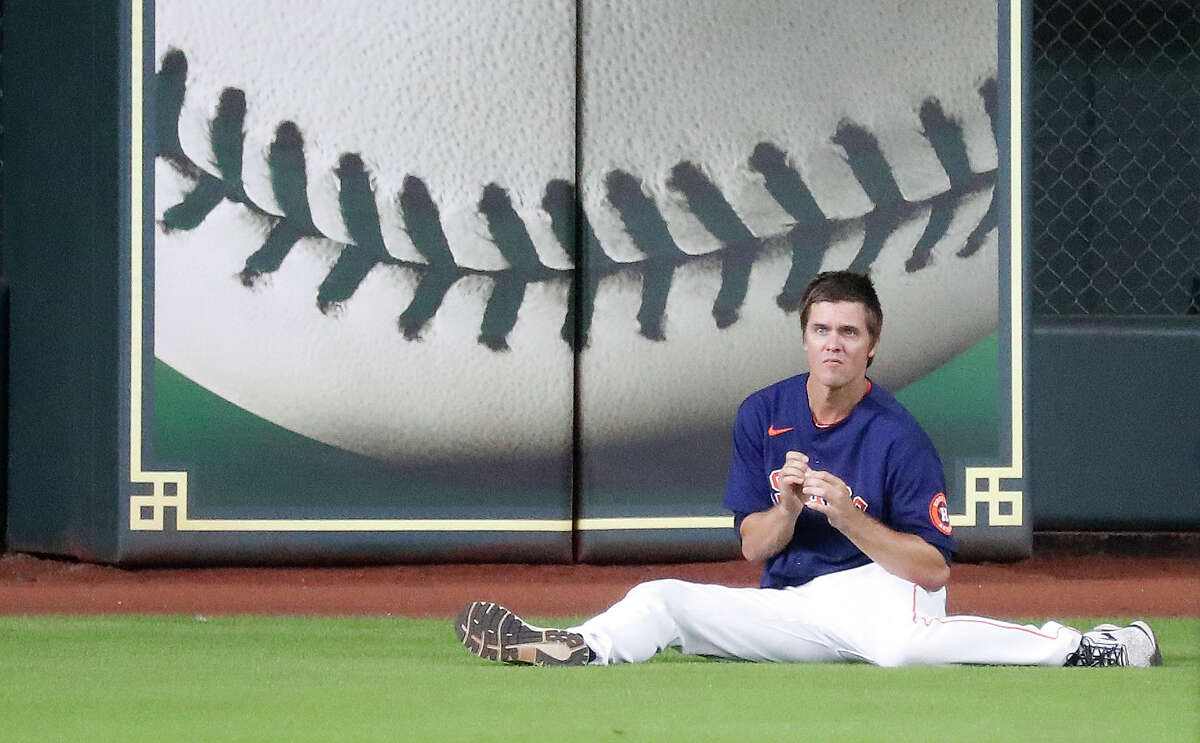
122	678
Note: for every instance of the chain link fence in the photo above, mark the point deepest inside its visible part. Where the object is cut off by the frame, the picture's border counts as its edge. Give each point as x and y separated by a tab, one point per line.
1115	124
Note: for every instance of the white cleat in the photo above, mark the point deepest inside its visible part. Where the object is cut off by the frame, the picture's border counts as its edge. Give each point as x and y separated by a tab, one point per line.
1110	645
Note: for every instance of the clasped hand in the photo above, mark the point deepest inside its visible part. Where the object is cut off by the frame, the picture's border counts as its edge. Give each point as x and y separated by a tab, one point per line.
801	486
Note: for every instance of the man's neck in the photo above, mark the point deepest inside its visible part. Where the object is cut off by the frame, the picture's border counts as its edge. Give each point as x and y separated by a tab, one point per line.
829	405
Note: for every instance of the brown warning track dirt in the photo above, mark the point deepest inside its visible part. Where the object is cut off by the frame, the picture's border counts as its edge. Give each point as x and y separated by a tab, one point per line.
1041	587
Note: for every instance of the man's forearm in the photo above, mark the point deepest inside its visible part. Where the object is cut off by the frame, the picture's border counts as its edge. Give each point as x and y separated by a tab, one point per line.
766	533
904	555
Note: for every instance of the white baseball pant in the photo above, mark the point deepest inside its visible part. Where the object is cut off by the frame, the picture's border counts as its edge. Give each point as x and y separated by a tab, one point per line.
863	614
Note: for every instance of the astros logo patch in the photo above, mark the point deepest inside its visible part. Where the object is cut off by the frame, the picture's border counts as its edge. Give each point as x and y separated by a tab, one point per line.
939	513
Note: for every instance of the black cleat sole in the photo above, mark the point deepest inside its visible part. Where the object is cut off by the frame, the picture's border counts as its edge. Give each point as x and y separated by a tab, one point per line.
494	633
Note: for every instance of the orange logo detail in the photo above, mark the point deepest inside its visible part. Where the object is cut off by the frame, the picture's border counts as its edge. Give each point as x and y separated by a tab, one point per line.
939	513
773	431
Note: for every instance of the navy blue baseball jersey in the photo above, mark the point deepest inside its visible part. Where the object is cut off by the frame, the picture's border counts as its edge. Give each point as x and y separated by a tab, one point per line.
879	451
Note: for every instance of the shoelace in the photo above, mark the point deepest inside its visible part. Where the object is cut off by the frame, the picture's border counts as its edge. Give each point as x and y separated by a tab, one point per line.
1094	653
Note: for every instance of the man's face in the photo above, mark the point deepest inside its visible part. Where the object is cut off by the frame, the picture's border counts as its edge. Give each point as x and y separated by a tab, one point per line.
838	343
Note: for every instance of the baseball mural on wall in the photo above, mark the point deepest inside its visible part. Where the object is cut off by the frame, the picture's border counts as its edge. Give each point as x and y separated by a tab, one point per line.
376	270
371	231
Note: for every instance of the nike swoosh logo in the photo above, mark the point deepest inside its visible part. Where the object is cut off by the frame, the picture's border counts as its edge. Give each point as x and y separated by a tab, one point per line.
773	431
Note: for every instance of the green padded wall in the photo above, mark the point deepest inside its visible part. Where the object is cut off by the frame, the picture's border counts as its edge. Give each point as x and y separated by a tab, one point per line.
61	215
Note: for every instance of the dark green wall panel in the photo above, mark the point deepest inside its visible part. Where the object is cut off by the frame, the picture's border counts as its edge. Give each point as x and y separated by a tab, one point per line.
1114	423
61	243
3	412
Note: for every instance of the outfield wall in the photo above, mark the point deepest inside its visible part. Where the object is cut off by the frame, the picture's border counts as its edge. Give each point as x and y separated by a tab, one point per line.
61	241
244	334
1114	436
4	407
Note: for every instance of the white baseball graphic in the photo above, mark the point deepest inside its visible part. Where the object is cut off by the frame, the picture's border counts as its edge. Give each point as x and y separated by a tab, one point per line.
367	220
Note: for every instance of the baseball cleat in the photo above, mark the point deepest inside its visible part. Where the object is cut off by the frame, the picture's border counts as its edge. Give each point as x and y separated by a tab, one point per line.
495	633
1110	645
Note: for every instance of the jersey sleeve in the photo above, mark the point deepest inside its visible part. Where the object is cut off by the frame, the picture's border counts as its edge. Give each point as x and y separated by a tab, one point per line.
918	487
747	490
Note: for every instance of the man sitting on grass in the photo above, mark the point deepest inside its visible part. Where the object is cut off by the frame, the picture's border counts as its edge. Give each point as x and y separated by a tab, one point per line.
836	487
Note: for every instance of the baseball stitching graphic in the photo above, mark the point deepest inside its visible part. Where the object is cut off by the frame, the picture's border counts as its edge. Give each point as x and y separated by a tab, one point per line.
367	222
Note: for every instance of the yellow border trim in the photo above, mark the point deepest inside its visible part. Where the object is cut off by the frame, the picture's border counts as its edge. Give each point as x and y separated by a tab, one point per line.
983	484
347	525
656	522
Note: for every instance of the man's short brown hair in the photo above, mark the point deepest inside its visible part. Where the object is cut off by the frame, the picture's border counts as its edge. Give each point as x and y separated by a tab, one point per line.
844	286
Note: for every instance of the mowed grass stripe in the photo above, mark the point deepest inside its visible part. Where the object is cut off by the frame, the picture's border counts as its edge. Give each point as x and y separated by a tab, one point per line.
132	678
